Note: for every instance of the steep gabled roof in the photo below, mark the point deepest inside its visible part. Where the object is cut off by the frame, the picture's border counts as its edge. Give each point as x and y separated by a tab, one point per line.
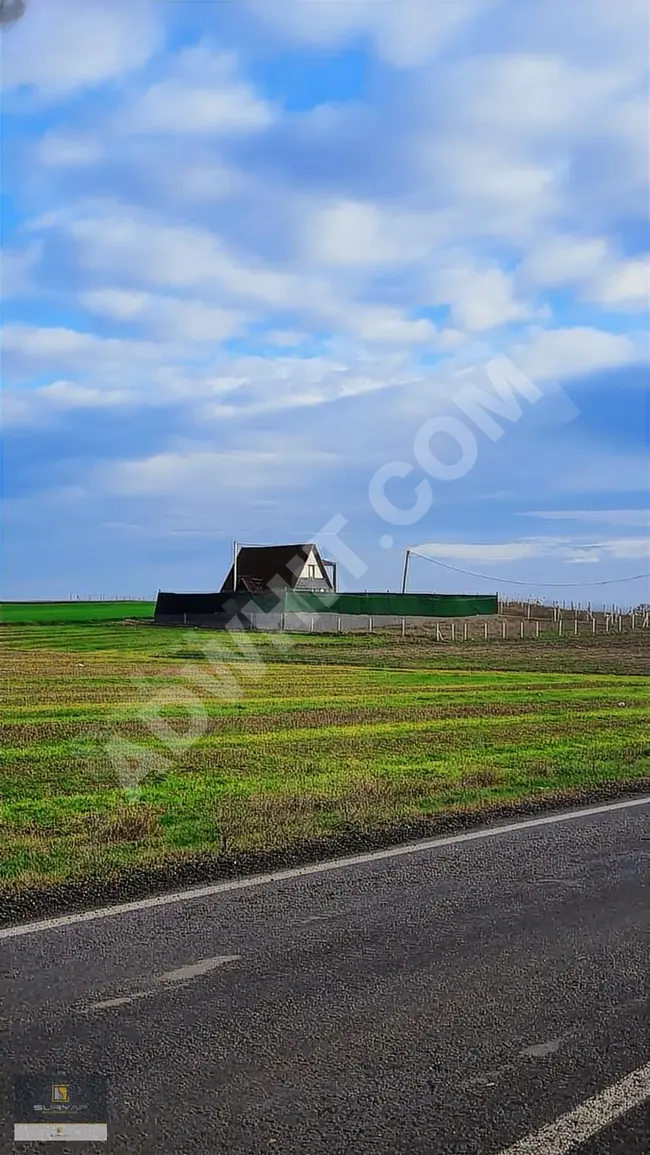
259	566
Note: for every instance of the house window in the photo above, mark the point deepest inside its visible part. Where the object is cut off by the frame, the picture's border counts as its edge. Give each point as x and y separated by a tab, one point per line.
311	571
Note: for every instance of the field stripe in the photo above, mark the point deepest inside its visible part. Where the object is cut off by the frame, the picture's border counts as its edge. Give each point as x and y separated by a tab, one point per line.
574	1128
315	868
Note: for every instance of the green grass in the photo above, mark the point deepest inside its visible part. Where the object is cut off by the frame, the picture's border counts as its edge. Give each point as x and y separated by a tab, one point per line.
28	613
329	737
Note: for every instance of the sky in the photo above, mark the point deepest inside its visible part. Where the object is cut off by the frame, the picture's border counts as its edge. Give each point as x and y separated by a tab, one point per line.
367	272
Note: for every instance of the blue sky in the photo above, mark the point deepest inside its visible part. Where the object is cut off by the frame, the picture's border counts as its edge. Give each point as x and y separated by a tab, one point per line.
257	253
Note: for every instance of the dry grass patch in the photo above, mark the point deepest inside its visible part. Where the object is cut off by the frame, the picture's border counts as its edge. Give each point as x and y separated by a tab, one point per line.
137	822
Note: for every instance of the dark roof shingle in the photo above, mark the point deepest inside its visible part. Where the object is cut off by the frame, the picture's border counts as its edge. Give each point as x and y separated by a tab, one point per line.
260	567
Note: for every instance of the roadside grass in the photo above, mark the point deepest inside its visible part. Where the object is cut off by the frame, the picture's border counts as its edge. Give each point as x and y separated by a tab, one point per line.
317	743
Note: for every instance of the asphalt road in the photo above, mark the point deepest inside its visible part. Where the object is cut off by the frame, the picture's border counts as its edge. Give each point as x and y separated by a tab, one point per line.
452	1000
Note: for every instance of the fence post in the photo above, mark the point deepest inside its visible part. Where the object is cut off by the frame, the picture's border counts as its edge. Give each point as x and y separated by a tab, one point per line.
646	619
338	625
282	622
575	627
593	625
620	623
369	625
521	628
438	635
559	628
403	627
311	625
453	631
504	630
632	621
465	631
537	629
485	631
529	609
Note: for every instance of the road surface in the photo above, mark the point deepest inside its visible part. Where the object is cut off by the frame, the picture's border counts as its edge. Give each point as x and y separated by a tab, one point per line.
480	995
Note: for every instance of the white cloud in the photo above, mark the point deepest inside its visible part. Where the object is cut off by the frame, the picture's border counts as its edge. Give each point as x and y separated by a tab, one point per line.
523	93
496	188
405	35
562	353
285	338
571	550
628	517
173	318
62	45
479	298
36	343
563	259
292	382
622	286
180	257
201	181
68	150
70	395
206	472
627	547
465	551
357	234
383	325
591	264
17	266
205	95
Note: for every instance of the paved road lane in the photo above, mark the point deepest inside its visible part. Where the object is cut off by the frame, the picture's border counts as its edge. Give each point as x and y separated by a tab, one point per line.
454	999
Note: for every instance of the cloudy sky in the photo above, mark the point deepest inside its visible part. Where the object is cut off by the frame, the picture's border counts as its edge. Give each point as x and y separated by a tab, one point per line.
372	272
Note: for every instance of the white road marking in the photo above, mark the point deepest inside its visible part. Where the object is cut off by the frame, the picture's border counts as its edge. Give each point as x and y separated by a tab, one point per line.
574	1128
120	1002
540	1050
314	868
202	967
560	881
182	974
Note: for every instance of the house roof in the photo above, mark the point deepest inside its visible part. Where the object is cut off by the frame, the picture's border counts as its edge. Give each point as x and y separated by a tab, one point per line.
262	566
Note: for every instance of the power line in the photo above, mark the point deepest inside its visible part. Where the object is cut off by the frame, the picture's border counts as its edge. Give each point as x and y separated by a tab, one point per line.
515	582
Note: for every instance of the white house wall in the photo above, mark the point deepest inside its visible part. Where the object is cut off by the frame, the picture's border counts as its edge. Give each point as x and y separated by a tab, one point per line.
318	570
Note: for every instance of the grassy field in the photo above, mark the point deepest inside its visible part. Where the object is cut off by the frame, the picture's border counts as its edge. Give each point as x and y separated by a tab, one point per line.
26	613
329	737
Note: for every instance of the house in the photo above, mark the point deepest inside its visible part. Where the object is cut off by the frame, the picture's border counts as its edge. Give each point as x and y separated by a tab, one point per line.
261	568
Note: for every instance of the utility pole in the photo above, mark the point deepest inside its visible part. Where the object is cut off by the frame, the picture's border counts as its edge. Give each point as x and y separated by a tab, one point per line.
406	570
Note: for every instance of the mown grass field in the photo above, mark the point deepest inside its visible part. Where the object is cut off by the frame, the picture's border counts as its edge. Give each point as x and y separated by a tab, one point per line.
327	737
25	613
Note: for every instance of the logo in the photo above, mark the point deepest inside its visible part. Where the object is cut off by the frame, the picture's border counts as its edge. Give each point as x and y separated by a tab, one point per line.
48	1104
